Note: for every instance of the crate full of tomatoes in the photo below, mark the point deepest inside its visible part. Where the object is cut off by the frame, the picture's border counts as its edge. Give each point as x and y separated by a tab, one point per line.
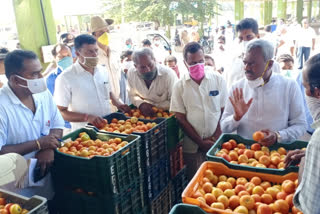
11	203
175	133
239	153
218	189
153	135
97	162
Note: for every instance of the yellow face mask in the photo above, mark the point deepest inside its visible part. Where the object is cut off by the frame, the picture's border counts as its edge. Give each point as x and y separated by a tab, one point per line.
104	39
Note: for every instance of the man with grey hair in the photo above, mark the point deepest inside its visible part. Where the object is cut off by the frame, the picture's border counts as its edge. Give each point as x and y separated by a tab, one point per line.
264	101
150	83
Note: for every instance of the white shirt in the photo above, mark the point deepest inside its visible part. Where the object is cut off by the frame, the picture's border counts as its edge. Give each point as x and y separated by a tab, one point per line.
83	92
277	106
18	124
3	79
305	36
237	71
160	53
200	103
159	93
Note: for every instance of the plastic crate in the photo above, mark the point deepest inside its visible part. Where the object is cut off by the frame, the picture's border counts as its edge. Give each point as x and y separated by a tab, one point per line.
186	209
35	204
153	141
211	154
130	201
162	204
221	169
174	131
99	174
179	183
157	178
176	160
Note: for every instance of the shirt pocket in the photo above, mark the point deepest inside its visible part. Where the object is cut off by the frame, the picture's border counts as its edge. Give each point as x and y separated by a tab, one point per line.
106	90
213	102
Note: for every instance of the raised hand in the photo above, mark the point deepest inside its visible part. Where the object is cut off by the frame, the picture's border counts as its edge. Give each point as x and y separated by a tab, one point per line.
239	105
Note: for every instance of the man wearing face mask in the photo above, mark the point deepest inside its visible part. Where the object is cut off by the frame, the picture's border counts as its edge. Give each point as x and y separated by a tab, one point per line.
264	101
247	30
150	83
307	197
83	91
62	55
198	101
99	28
3	78
30	123
158	50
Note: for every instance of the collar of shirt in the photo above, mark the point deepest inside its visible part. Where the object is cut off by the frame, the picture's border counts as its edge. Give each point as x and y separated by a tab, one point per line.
58	71
79	68
15	100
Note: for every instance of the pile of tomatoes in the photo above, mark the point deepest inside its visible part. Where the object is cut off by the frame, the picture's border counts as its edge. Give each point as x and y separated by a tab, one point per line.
256	155
159	112
85	147
242	195
11	208
128	126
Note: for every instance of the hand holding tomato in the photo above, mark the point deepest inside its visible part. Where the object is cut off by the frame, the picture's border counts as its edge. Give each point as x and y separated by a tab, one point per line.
239	105
270	138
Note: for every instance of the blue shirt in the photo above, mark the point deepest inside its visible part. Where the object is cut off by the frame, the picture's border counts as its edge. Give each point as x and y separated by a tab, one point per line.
51	82
306	109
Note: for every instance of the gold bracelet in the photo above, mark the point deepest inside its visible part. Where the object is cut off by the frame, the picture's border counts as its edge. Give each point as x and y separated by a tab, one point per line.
38	143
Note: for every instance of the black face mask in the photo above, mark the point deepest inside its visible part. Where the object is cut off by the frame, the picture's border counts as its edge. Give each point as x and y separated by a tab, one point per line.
149	75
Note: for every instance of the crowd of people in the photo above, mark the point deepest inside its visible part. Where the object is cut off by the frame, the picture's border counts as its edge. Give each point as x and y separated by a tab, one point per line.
255	90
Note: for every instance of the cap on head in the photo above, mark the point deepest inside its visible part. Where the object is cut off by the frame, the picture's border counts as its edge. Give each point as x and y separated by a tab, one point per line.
98	24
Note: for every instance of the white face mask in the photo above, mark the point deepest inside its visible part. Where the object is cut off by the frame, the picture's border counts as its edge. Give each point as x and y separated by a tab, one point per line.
314	107
259	81
34	85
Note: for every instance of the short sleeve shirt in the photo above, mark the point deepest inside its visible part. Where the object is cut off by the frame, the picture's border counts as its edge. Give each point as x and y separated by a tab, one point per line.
200	103
19	124
83	92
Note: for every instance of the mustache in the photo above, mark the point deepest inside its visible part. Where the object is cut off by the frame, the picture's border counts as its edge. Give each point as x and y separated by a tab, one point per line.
249	72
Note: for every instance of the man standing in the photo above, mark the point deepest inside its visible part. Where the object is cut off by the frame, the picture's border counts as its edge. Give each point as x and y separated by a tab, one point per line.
305	41
150	83
264	100
307	196
85	87
99	29
158	50
30	123
198	101
247	30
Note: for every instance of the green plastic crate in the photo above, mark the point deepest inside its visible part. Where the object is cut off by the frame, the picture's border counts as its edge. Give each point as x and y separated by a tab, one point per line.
35	204
99	174
175	133
130	201
211	154
186	209
153	143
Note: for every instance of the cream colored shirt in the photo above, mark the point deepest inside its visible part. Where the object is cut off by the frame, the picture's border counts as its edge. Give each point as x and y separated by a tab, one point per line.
159	93
200	103
113	68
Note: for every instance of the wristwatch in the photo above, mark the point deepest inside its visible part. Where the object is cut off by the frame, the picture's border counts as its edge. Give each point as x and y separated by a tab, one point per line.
278	137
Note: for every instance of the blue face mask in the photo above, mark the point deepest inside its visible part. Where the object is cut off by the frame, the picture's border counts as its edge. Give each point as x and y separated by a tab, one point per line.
65	62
